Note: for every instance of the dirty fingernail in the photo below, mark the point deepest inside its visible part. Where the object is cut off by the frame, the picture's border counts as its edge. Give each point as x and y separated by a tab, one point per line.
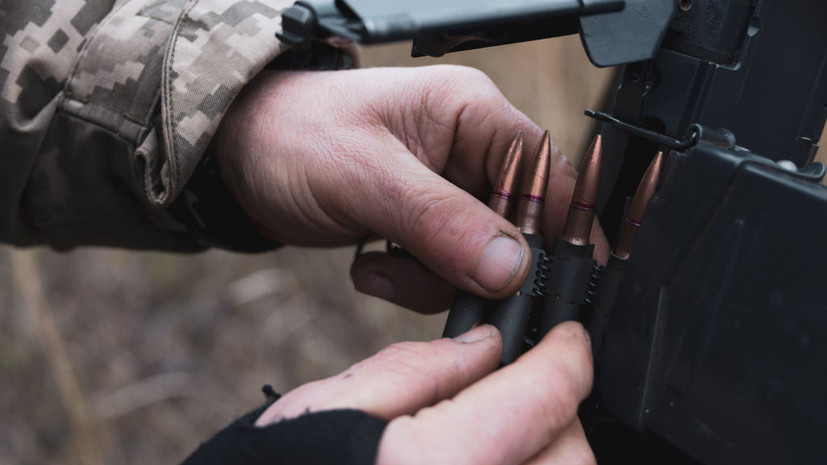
498	263
477	334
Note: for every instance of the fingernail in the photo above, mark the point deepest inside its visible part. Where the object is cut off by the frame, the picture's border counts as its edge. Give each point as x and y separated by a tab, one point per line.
498	264
377	285
574	330
477	334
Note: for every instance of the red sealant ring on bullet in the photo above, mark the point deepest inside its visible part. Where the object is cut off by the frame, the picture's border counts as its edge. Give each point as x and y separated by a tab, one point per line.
503	194
632	222
589	207
534	198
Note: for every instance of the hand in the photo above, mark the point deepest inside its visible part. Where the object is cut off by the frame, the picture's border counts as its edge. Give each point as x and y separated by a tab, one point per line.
446	406
326	158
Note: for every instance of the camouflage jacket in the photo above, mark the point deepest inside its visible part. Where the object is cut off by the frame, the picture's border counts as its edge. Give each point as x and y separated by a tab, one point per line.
107	107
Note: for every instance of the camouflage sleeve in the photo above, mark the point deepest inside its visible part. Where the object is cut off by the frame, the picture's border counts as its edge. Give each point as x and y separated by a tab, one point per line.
106	107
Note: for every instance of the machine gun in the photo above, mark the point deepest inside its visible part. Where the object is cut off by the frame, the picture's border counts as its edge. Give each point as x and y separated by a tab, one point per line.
711	351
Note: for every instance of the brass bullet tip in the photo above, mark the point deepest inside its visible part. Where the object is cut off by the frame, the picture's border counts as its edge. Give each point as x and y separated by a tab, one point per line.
643	195
583	200
504	196
533	189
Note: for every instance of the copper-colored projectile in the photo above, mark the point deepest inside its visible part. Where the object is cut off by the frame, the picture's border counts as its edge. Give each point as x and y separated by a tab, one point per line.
504	196
643	195
533	189
581	212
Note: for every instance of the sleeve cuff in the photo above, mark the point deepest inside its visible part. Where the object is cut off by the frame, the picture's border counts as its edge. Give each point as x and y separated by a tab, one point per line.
335	437
216	47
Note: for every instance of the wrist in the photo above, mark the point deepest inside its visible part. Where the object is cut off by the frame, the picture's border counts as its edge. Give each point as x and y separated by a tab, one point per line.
210	211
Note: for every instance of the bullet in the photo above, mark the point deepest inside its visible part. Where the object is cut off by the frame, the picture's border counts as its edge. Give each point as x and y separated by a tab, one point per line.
581	211
612	274
504	196
534	184
643	195
467	309
572	261
511	316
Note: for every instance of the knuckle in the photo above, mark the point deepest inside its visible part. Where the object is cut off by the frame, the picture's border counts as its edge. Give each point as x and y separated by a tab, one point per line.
461	75
470	76
460	85
423	361
453	230
431	213
394	364
401	355
424	210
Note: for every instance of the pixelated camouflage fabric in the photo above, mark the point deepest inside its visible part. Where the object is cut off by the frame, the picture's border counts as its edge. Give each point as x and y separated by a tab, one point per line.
107	106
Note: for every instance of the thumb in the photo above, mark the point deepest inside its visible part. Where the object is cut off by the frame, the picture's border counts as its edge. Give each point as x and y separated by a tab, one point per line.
447	229
399	380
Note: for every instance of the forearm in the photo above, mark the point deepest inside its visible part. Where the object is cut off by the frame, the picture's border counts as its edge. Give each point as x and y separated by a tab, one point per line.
105	113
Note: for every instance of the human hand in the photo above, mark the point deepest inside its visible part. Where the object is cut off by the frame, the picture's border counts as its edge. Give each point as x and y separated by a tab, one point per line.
444	404
326	158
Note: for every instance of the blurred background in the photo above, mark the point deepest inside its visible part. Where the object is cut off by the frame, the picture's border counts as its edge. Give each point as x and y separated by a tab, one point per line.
112	356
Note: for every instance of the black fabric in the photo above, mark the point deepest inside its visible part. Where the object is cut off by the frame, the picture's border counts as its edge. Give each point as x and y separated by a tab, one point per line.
341	437
208	209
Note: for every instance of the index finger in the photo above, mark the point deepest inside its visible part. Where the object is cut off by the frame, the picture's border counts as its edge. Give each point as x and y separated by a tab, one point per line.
507	417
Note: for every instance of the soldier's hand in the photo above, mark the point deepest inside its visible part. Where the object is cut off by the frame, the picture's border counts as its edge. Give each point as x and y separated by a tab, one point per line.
326	158
446	405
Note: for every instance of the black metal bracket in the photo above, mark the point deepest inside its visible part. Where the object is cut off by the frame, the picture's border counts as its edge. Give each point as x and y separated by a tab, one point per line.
688	141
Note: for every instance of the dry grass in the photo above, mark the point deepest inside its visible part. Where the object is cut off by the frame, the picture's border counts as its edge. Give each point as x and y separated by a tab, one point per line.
148	354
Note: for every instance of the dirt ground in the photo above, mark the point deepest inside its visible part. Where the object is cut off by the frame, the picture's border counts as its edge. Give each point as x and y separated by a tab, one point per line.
112	356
